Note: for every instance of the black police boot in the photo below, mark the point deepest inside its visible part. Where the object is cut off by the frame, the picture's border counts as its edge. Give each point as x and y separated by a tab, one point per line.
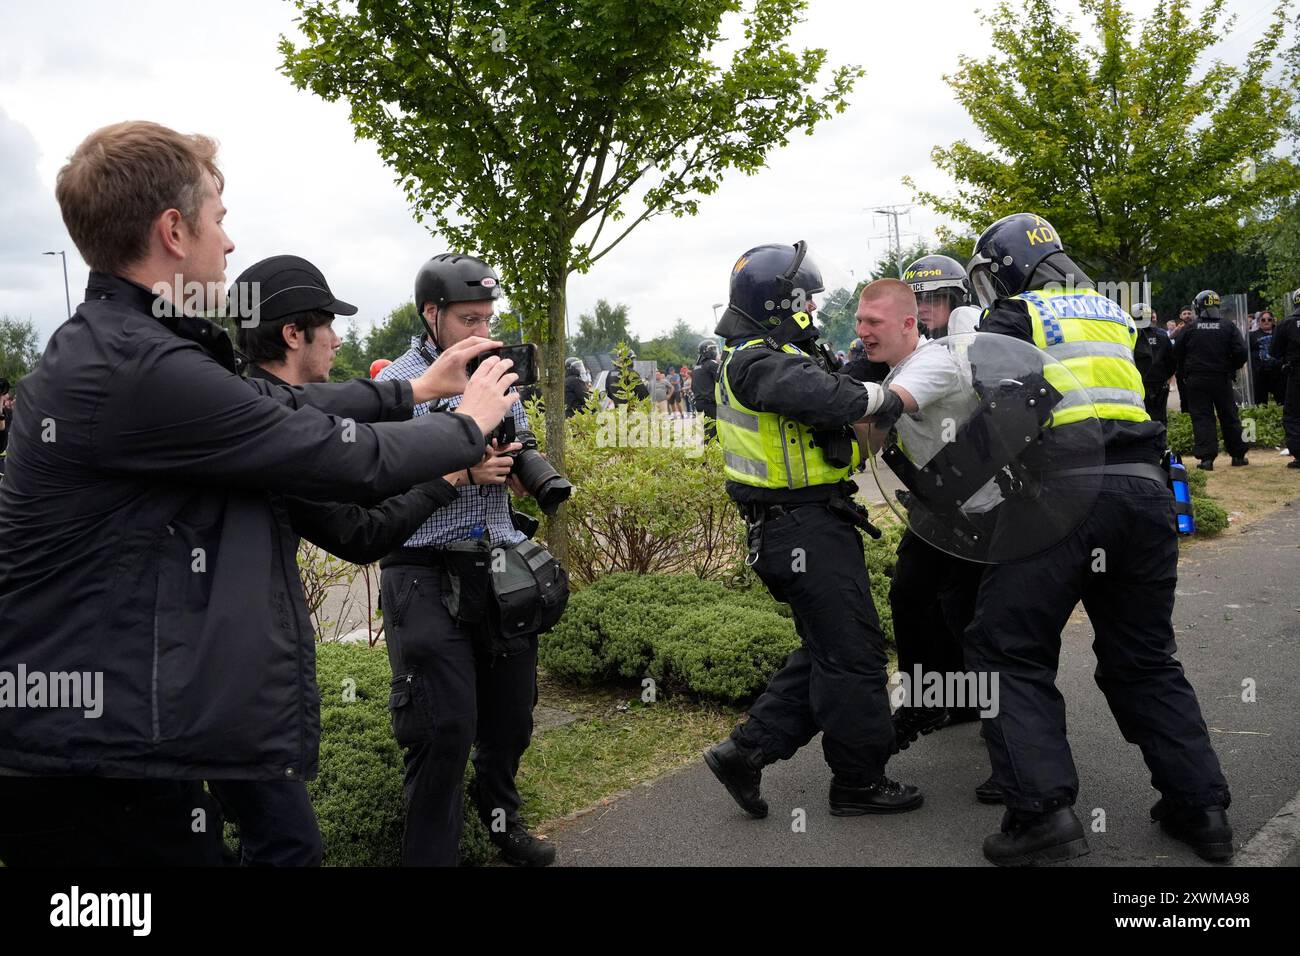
1293	463
988	792
521	848
962	715
852	799
741	772
1028	839
1205	829
911	722
1206	464
1239	461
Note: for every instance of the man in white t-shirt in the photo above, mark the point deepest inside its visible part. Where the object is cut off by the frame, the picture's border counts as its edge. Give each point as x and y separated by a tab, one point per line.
933	593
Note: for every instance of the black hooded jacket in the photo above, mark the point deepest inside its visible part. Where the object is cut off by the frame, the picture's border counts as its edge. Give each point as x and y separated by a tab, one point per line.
141	541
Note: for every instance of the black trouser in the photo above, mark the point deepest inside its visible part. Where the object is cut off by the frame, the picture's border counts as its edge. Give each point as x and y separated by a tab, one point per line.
1016	635
94	821
835	683
1270	384
1291	411
1157	401
933	601
1208	395
447	694
1181	382
277	826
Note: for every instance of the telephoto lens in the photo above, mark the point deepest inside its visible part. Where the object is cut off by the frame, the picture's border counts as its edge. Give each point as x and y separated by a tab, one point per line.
535	473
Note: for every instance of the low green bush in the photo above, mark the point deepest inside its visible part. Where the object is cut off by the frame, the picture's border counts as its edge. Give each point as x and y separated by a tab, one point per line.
1210	517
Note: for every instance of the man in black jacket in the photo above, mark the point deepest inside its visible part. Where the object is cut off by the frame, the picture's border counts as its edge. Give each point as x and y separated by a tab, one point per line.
576	388
1265	367
704	382
141	549
292	342
1286	346
1157	365
1208	354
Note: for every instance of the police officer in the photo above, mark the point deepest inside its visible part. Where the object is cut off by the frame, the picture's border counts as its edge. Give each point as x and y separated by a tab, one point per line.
783	421
1286	346
625	378
455	684
1155	362
1035	293
576	387
942	296
704	381
1208	354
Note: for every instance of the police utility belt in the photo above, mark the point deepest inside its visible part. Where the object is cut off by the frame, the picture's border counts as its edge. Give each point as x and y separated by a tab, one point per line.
497	593
841	506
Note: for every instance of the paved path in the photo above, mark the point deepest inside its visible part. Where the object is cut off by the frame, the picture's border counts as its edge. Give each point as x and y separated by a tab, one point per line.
1237	617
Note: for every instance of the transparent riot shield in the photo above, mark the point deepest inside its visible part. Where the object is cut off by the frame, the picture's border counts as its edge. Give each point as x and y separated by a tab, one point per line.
1234	311
1004	457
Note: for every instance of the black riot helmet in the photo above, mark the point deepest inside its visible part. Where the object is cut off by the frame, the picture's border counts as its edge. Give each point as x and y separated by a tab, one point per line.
932	275
1293	304
771	288
453	277
1208	305
573	366
708	350
1017	254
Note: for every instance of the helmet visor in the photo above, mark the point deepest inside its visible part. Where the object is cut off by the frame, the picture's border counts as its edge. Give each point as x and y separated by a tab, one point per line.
981	280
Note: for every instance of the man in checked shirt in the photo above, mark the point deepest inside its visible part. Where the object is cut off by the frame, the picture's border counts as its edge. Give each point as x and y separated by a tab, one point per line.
449	691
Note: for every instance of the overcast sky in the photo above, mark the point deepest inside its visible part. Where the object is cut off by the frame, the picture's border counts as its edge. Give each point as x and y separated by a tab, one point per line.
297	182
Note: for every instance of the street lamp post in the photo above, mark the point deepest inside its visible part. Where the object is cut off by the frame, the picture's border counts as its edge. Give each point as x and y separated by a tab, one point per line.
67	297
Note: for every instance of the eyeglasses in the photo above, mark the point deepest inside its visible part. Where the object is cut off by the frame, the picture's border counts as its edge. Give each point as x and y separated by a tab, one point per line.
471	321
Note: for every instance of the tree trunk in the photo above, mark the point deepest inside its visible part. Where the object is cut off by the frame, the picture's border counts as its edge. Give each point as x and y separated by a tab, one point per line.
553	393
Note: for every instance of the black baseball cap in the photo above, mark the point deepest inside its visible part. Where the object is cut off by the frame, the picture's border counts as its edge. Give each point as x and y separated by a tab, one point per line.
281	286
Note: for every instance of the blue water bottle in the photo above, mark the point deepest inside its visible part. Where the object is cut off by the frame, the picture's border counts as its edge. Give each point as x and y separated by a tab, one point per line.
1182	494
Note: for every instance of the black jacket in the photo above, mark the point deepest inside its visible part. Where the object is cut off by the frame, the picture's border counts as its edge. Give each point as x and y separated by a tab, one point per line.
639	390
1126	442
1286	341
575	394
140	539
1159	364
1209	348
354	532
797	387
865	370
704	378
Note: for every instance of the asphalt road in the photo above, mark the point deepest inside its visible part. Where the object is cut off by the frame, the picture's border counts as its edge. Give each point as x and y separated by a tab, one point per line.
1237	618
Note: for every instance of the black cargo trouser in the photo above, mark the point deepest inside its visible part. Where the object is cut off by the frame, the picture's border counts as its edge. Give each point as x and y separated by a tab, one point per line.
1207	396
835	683
1157	400
448	695
1021	611
277	826
96	821
1291	410
1270	385
932	598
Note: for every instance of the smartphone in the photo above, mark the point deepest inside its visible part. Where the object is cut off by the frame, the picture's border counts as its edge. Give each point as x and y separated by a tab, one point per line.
524	357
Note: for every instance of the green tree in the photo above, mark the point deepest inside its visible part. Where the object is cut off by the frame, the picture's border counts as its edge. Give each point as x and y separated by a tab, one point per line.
392	337
1280	235
1228	273
601	329
522	128
350	359
1139	151
838	317
18	349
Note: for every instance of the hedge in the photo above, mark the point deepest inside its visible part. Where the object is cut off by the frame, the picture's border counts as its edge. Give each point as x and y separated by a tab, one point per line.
1268	428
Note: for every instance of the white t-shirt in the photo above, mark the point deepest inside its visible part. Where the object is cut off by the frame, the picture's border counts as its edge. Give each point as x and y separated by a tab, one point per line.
940	382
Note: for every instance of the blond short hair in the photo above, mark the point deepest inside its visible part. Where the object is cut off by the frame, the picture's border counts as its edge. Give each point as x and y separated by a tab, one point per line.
122	178
895	289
